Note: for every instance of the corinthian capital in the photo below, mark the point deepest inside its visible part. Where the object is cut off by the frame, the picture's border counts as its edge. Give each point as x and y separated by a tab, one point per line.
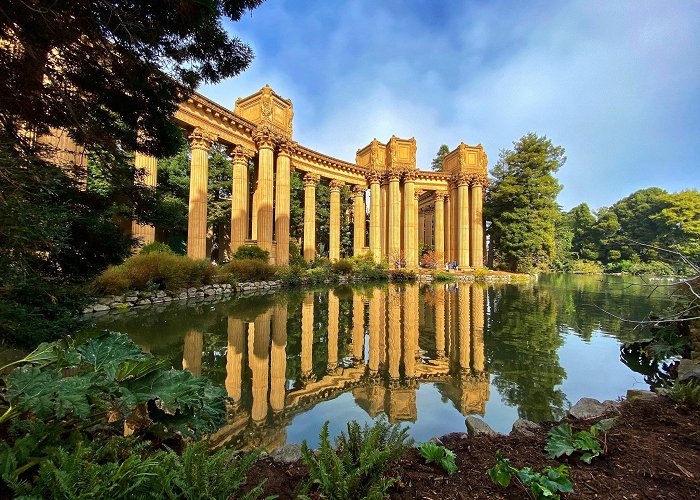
286	147
409	176
440	195
264	137
393	175
240	153
358	190
461	179
335	185
201	139
418	194
374	177
479	180
311	180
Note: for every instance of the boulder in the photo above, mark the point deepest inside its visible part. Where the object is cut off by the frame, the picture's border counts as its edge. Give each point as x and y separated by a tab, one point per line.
287	454
525	427
144	302
590	408
477	427
88	310
100	307
689	369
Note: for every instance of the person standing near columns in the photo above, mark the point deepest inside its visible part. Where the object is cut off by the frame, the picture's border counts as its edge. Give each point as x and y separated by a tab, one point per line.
410	217
478	181
240	156
463	221
265	141
334	234
394	249
359	215
282	203
375	211
200	144
439	227
310	181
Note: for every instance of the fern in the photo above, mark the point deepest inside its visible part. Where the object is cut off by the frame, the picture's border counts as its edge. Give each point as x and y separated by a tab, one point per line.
357	466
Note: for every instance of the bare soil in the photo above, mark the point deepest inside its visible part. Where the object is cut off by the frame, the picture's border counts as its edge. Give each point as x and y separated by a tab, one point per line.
653	452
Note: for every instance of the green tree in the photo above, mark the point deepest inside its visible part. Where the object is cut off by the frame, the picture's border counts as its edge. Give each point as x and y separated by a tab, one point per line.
439	158
635	214
680	222
582	222
521	204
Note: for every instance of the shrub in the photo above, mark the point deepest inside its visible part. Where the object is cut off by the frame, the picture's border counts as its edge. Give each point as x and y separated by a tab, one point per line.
156	247
542	486
246	270
358	466
586	267
318	274
248	252
686	394
444	276
561	440
365	268
295	257
320	261
482	272
402	275
653	268
289	275
432	452
431	259
342	267
159	271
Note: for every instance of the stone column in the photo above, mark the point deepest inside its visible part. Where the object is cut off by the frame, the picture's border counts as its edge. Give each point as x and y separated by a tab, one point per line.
358	327
148	166
234	359
410	321
384	217
278	357
440	227
334	230
394	230
448	228
266	152
410	225
375	331
421	227
333	323
429	222
478	353
476	217
375	216
310	181
200	144
240	156
282	206
307	335
464	325
440	321
359	215
192	352
463	222
259	365
394	320
454	242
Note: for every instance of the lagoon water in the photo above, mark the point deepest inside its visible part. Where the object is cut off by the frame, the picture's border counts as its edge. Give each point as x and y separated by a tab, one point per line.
422	355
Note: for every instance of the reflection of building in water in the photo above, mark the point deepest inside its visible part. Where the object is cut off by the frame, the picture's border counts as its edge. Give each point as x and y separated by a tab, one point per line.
383	375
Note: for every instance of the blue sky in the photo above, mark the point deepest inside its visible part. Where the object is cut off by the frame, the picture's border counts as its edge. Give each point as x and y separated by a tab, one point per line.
616	83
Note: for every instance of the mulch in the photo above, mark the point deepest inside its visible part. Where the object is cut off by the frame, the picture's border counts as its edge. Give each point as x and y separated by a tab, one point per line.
653	452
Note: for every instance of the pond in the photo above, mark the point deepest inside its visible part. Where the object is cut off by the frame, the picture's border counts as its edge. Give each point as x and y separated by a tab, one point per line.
422	355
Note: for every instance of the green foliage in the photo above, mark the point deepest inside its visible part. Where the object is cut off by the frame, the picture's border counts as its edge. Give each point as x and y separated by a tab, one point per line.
399	275
342	267
289	275
441	277
561	440
162	271
246	270
521	203
432	452
365	268
481	273
358	466
545	485
586	267
436	164
251	252
686	394
155	247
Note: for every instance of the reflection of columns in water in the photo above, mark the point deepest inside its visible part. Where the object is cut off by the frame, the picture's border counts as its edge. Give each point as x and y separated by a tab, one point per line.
333	321
307	334
394	348
278	357
452	316
464	327
440	321
375	329
234	358
382	326
478	327
259	365
410	321
358	326
192	353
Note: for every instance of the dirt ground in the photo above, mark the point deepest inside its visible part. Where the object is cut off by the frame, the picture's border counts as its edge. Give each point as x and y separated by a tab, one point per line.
653	453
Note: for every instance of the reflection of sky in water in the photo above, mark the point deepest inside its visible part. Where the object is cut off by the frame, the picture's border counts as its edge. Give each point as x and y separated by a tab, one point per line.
542	347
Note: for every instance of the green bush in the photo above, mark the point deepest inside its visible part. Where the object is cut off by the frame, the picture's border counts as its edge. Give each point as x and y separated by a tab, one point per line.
586	267
365	268
295	257
246	270
342	267
443	276
318	274
248	252
482	272
156	247
159	271
653	268
402	275
542	486
686	394
290	275
358	466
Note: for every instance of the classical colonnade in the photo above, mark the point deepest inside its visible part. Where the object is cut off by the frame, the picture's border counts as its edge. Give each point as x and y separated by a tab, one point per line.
388	324
259	130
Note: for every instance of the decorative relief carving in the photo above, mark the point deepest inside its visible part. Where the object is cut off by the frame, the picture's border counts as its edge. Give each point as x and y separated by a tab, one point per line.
264	137
311	180
479	180
461	179
201	139
335	185
358	190
483	161
409	176
240	153
393	175
287	147
374	177
441	195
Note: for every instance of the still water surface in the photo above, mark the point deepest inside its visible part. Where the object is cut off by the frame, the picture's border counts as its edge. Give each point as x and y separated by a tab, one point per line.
425	356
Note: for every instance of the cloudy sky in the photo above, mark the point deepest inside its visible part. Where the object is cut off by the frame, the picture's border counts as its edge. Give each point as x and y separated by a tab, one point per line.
616	83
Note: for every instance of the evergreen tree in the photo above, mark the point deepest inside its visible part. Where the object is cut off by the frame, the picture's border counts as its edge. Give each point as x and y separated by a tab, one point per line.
582	221
521	203
436	164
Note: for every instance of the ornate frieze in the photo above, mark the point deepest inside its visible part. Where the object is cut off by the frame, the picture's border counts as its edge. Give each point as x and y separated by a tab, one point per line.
201	139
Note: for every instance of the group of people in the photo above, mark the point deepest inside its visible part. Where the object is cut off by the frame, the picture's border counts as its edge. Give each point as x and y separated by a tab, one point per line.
450	265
